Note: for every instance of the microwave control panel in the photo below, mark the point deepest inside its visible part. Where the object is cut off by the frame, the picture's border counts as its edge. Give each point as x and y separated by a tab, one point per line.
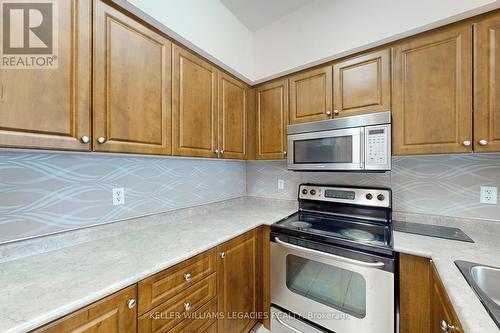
378	146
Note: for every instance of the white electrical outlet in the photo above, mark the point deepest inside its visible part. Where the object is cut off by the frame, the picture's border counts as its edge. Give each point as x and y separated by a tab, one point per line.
281	184
118	196
488	195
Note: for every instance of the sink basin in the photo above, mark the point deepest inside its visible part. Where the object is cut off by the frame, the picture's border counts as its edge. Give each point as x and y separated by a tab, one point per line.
488	280
485	281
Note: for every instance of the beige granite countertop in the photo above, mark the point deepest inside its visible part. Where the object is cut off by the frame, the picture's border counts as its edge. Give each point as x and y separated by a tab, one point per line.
40	288
37	289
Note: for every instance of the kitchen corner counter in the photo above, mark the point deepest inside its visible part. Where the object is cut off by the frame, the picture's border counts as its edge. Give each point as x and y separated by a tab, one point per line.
44	287
486	250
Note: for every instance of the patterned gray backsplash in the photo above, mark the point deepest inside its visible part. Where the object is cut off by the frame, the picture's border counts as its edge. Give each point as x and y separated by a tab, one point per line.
42	193
445	185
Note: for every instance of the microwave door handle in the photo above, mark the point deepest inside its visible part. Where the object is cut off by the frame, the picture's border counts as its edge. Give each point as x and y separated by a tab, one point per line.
329	255
291	328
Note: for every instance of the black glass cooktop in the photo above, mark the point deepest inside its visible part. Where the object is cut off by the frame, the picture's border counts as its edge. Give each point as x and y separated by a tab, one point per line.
349	229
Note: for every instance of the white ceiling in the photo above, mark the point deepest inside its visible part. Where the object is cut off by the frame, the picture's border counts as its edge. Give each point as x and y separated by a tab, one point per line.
255	14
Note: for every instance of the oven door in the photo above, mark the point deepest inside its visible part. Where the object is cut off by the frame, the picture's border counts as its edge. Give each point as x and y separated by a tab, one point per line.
338	293
327	150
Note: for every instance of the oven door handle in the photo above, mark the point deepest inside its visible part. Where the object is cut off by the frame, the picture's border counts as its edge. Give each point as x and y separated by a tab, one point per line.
329	255
291	328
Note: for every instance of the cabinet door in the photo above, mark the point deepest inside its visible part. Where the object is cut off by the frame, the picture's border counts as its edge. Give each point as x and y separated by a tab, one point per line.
415	291
487	89
232	117
194	113
272	111
432	98
238	283
362	84
131	85
111	314
441	307
50	108
311	95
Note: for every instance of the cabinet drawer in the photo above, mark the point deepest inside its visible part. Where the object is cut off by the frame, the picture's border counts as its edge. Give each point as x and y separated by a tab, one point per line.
164	285
203	319
170	313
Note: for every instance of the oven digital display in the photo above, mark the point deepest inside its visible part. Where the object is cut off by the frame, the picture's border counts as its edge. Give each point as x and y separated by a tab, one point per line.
336	194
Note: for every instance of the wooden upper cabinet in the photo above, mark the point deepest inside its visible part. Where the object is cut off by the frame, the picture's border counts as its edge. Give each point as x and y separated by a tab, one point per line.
271	120
132	85
311	95
50	108
487	89
432	92
194	111
111	314
362	84
237	274
232	117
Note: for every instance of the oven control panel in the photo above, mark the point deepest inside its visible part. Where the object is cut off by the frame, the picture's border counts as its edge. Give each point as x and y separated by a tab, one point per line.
356	196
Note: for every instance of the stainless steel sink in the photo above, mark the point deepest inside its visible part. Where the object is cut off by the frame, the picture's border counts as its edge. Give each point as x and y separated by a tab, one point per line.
485	281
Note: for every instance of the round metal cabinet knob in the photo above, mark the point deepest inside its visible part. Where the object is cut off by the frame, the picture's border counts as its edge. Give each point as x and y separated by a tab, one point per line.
222	151
328	113
85	139
187	306
483	142
466	143
131	303
445	327
336	112
222	255
101	140
284	152
187	277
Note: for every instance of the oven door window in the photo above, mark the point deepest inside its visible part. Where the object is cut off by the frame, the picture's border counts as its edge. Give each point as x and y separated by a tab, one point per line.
336	149
335	287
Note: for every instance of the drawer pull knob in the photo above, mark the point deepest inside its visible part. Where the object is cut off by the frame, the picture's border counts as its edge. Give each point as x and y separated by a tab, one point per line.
222	255
85	139
336	112
187	277
483	142
445	327
187	306
101	140
131	303
328	113
466	143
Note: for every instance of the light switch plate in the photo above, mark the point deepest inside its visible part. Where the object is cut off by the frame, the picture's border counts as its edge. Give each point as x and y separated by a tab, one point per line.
488	195
118	196
281	184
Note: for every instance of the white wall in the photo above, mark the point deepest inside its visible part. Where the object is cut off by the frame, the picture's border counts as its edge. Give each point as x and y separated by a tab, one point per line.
208	25
325	29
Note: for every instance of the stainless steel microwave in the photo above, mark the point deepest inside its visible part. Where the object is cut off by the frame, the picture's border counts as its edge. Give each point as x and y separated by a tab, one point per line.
357	143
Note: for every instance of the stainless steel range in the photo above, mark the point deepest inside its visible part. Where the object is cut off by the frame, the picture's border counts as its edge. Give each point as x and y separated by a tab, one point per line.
332	263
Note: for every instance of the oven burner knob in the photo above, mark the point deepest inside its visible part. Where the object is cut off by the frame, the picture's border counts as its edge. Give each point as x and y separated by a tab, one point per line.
313	192
381	197
304	191
369	196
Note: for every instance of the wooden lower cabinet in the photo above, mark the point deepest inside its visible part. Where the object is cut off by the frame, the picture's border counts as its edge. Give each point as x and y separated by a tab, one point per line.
424	302
238	275
441	307
111	314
